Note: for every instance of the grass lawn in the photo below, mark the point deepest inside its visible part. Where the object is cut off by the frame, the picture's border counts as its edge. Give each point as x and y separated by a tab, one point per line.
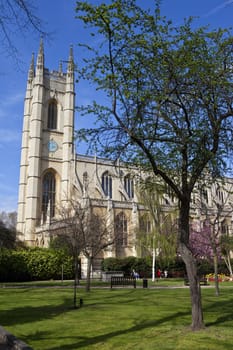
116	319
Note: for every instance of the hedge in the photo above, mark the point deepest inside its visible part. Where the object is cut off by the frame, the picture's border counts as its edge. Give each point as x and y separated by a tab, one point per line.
144	266
34	264
127	265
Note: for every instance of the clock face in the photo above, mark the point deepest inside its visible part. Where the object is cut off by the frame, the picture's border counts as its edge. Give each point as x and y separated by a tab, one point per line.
52	146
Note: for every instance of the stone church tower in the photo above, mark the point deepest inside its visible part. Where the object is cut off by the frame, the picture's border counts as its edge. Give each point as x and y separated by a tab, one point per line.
47	154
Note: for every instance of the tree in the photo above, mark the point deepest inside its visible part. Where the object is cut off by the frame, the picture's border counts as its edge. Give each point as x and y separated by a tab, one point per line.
204	243
215	211
7	236
9	219
69	230
98	237
169	102
157	229
226	248
82	231
17	16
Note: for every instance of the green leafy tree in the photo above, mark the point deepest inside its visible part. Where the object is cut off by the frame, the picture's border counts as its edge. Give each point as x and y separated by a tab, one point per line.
167	107
157	232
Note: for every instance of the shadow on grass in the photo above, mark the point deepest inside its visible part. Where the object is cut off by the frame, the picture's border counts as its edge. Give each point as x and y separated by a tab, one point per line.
112	297
84	341
224	309
30	314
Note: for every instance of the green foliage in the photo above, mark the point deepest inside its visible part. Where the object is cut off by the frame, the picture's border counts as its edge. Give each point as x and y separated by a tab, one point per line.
13	266
34	264
226	244
205	267
157	232
60	243
111	264
161	80
127	265
7	236
176	268
44	264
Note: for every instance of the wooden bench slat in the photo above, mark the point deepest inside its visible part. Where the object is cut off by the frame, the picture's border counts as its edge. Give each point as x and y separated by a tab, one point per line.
203	281
123	281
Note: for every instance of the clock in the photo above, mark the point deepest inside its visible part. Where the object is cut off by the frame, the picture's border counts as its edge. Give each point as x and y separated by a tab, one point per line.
52	146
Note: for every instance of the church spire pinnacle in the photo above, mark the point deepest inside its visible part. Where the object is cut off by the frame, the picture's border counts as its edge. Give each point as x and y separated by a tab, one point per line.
60	70
40	57
31	70
70	69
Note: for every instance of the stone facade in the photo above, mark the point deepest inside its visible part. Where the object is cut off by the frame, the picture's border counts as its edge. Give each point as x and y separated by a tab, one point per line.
51	171
47	155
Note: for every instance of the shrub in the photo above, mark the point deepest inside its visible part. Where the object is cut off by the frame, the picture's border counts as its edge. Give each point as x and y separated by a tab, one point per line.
127	265
34	264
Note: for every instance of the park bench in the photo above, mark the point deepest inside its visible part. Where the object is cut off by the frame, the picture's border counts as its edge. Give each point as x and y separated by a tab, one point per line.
202	280
123	281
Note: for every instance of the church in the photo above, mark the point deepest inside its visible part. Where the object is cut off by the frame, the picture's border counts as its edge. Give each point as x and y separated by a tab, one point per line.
51	171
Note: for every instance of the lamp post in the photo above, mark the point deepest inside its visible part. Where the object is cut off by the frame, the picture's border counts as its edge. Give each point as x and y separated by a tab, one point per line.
153	258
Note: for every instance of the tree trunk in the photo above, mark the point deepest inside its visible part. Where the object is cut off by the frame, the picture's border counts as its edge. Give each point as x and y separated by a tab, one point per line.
216	281
75	280
88	283
153	261
191	268
227	260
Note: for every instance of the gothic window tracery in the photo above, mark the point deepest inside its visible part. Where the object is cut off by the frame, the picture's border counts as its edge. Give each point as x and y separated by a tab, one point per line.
48	195
52	115
145	224
107	184
85	183
121	227
129	186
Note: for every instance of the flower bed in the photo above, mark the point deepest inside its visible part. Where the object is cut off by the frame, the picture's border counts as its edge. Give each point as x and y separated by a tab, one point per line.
221	277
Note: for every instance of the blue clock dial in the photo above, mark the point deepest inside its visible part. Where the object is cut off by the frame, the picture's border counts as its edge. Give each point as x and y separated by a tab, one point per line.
52	146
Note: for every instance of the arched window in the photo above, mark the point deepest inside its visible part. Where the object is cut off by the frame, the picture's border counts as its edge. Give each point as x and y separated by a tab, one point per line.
145	224
52	115
224	229
129	186
121	230
48	195
144	234
107	184
85	183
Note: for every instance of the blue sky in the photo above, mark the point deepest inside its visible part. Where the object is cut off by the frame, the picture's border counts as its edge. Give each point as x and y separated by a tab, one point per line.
59	19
